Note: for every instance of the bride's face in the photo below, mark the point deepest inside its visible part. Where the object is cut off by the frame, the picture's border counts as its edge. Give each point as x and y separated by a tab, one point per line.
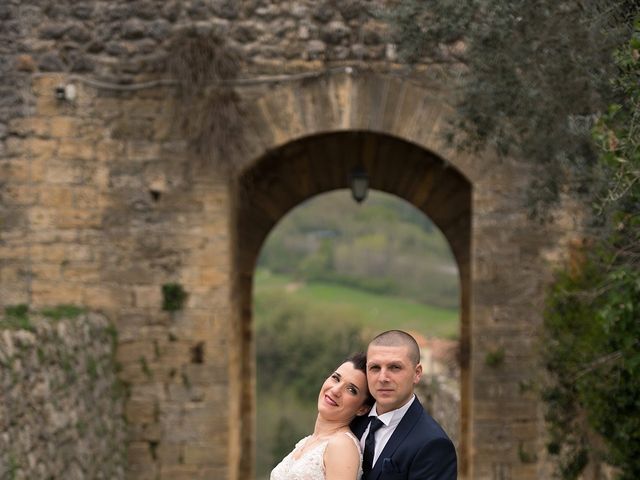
343	394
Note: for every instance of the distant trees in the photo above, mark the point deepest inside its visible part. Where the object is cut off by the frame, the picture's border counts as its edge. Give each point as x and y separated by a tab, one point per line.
557	83
296	351
384	246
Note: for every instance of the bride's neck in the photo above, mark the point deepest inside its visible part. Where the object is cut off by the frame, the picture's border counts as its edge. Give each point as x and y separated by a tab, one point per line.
325	427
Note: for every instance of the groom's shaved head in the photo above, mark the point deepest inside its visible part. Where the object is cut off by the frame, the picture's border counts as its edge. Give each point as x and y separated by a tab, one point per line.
398	338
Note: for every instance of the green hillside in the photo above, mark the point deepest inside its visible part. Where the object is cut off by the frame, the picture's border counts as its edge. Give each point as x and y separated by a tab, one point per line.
374	312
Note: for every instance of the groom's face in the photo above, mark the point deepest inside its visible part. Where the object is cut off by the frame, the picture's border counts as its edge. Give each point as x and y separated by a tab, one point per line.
391	376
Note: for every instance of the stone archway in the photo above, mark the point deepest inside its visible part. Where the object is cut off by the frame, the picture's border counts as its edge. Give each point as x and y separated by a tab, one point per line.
303	139
303	168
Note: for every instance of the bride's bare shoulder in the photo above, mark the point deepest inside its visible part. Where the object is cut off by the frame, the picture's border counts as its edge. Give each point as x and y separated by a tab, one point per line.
342	458
343	442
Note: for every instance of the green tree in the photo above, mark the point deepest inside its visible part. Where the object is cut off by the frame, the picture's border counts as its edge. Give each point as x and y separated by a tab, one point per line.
593	355
296	351
593	315
528	76
287	434
547	82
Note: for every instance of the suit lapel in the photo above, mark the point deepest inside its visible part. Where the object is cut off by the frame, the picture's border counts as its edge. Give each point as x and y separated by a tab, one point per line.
402	430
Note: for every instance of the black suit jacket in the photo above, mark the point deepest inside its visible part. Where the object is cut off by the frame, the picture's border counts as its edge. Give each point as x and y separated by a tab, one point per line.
419	449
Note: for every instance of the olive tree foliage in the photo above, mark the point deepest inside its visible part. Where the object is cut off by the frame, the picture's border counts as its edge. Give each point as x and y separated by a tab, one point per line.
557	83
593	316
530	77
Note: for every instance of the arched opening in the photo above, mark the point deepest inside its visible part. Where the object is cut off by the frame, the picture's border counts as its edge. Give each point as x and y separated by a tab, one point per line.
285	177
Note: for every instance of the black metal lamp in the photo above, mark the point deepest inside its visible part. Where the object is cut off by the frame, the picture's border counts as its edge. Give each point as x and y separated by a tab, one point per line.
359	182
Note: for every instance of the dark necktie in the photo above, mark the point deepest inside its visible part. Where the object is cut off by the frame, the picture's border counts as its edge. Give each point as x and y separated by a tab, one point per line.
370	445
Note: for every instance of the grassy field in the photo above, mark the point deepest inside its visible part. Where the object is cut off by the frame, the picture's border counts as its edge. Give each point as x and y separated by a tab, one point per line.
375	312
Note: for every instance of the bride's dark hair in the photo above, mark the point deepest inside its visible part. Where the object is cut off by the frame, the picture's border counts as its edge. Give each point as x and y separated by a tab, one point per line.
359	361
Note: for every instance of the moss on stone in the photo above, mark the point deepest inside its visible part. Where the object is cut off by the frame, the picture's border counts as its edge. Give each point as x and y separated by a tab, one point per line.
16	317
62	311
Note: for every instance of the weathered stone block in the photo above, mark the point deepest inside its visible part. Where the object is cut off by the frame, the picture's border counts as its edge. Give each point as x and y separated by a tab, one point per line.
139	453
12	274
198	454
14	252
80	253
175	353
23	126
139	411
16	170
80	272
213	472
65	127
132	352
44	84
203	374
135	373
170	454
147	296
19	195
41	218
76	218
51	292
178	472
45	271
65	172
76	149
52	253
33	147
56	196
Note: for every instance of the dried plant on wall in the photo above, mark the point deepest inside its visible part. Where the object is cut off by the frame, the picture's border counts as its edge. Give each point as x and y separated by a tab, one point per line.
208	113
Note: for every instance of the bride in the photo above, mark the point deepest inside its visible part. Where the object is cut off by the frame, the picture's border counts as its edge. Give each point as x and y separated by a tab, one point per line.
332	452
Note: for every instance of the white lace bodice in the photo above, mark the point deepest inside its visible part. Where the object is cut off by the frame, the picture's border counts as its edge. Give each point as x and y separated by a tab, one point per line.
310	466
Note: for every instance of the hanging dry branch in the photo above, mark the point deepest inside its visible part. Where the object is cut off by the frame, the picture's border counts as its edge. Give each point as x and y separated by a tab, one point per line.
208	111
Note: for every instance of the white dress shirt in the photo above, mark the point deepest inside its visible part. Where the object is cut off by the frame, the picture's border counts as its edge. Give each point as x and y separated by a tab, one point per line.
391	420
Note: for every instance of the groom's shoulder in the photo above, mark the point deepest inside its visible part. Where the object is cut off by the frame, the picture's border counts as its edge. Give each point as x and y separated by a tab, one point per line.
427	426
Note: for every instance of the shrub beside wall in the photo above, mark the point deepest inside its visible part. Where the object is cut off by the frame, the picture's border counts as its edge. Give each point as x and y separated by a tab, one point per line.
61	413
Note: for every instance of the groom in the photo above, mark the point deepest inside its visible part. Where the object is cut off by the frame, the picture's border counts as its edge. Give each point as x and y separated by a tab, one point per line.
399	438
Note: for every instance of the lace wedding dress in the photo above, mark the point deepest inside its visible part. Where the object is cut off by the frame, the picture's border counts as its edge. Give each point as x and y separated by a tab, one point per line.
310	465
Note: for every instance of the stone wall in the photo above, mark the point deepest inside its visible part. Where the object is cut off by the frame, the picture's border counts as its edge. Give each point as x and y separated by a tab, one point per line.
102	202
61	414
120	40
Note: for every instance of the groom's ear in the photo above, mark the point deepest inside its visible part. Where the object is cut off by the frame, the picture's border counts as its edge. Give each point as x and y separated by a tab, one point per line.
418	374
